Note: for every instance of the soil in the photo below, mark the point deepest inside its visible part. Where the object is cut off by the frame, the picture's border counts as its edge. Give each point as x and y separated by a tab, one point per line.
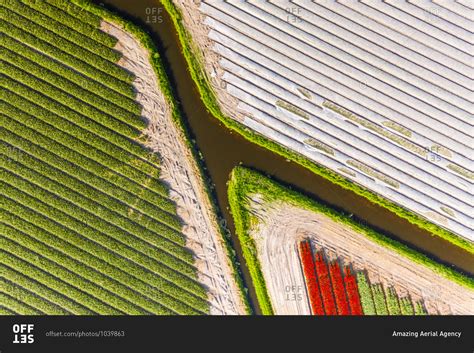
180	173
281	226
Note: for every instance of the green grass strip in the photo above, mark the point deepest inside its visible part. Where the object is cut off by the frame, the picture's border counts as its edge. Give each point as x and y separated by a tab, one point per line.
237	194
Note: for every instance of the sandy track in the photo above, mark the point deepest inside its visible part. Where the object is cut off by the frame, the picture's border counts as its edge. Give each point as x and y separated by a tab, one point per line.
280	228
180	172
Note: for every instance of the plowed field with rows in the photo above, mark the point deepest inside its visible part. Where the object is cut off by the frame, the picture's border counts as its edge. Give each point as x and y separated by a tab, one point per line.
86	225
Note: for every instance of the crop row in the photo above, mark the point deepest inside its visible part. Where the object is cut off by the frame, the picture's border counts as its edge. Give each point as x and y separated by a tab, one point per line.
86	278
35	104
144	213
81	66
64	32
110	279
373	173
94	256
76	11
330	291
392	302
82	221
379	299
72	89
16	306
38	296
338	288
63	130
134	224
114	238
70	101
68	73
23	151
18	100
65	18
352	291
107	194
67	283
109	68
144	186
307	262
406	306
107	250
129	168
420	309
325	284
365	292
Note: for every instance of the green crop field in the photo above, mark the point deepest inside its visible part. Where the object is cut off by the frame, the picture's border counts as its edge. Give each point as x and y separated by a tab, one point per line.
86	226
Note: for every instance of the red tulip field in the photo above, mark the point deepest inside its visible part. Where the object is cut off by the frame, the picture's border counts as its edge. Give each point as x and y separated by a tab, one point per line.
337	290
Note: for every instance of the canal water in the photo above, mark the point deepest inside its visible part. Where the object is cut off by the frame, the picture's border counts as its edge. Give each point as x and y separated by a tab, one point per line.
222	150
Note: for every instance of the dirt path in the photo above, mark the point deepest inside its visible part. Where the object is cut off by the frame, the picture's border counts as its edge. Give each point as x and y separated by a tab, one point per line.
280	228
179	171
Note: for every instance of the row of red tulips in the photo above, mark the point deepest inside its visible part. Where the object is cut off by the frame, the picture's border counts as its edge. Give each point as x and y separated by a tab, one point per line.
330	293
352	291
307	261
338	289
325	284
